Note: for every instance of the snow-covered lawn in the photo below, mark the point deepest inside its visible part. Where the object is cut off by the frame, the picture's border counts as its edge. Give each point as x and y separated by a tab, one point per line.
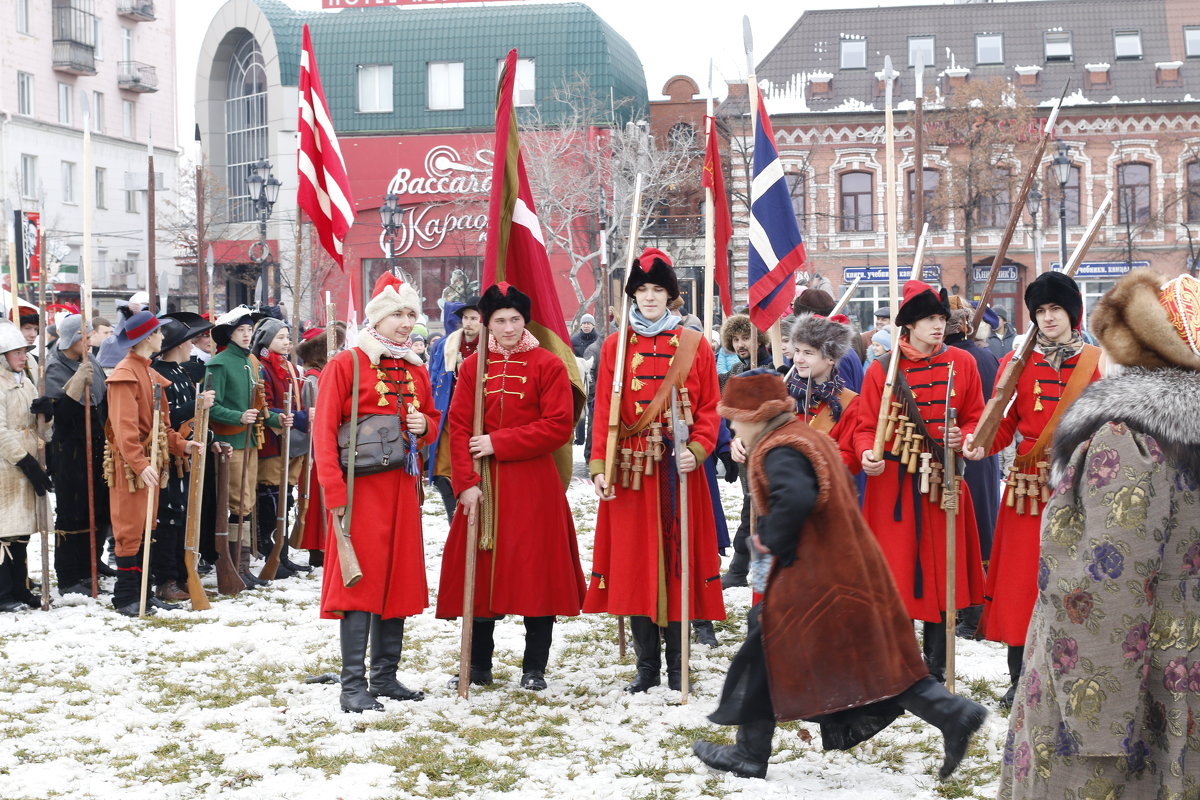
213	704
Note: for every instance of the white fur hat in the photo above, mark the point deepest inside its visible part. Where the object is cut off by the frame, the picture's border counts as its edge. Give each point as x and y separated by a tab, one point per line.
389	296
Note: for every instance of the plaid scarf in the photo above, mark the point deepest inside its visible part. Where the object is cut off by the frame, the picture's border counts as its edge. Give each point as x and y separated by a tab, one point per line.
808	402
1056	353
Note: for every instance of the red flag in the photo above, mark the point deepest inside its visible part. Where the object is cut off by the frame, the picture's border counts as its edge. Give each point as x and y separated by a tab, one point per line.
323	190
714	179
516	249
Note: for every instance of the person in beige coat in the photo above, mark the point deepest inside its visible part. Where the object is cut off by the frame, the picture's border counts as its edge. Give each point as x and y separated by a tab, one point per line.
22	478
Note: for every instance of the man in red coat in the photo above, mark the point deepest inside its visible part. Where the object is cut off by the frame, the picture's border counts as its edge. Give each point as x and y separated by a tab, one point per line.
527	559
1061	367
910	527
636	565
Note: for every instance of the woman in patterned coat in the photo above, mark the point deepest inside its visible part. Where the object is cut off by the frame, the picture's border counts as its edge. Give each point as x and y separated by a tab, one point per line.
1109	697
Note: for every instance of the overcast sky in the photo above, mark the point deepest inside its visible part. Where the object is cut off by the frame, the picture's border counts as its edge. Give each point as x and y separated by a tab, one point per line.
672	37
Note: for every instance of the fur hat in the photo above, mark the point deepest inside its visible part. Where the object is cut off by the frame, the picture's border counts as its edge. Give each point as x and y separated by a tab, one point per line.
920	301
389	295
831	339
735	325
1143	323
312	349
814	301
1054	287
756	395
504	295
653	266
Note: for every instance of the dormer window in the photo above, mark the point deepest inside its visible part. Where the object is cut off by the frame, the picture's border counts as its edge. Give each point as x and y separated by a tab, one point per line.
1058	46
854	54
989	48
1127	44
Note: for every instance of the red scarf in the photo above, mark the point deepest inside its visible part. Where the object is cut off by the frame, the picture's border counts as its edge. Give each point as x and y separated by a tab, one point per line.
281	369
913	354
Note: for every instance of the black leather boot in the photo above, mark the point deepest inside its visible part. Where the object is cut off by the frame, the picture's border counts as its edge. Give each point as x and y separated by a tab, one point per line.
955	716
704	632
127	591
644	634
933	647
748	757
739	565
674	650
482	644
539	633
355	629
316	558
1016	655
968	622
387	642
267	498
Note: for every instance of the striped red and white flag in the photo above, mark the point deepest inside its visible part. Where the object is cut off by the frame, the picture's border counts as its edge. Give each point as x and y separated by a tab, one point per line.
323	190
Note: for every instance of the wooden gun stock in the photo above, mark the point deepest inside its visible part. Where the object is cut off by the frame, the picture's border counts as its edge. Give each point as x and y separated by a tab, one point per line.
228	580
351	572
191	539
285	455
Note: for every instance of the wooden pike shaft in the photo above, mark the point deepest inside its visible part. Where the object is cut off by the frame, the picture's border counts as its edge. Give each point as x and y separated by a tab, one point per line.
151	491
471	559
846	297
285	459
191	539
885	400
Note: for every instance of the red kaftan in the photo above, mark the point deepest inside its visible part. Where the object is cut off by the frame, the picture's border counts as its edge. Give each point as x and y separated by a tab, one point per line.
1011	588
636	560
385	522
914	542
533	569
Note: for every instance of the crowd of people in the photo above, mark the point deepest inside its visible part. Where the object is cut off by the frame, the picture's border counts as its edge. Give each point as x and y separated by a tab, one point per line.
1082	556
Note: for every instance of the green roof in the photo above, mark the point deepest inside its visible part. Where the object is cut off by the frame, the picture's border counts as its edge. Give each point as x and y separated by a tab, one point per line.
565	40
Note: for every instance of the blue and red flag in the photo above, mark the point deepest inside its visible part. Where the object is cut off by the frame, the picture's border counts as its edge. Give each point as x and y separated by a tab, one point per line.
776	248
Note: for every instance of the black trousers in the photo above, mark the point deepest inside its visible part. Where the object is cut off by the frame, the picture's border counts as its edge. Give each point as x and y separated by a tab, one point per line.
14	572
72	556
539	634
166	555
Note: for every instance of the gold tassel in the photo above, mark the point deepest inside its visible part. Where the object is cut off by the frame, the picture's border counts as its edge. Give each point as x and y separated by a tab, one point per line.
633	338
1037	393
636	384
602	584
674	340
636	361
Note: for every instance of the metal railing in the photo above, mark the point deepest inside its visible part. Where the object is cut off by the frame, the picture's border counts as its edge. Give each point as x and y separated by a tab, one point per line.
142	10
136	76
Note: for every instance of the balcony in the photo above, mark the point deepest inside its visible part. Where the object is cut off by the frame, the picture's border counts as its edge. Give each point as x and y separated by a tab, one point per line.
137	77
137	10
74	57
74	48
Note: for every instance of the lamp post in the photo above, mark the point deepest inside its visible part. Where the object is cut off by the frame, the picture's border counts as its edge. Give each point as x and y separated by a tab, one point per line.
263	188
1033	204
391	214
1062	171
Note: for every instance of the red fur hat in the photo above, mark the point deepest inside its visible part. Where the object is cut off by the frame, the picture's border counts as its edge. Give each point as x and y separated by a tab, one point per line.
389	296
756	395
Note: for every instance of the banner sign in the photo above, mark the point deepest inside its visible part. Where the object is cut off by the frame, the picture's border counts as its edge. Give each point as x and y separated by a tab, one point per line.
372	3
930	273
1008	272
1101	270
28	226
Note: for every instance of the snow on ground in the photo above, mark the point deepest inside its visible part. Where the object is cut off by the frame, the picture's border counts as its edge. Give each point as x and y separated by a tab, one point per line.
214	705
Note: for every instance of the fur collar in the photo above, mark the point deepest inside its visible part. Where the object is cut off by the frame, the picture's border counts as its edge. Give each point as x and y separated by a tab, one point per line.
1160	403
374	350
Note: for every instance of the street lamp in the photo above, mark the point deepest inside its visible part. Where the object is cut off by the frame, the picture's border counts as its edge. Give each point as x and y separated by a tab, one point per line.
391	215
263	188
1033	204
1062	171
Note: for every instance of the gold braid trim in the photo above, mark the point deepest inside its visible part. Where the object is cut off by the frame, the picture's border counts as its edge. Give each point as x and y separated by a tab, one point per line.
487	528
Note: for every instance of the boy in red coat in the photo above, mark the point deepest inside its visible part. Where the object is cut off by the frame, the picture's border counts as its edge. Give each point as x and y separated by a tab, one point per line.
527	561
636	567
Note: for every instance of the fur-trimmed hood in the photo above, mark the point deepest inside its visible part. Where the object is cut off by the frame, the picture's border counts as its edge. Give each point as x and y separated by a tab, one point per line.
374	350
1157	402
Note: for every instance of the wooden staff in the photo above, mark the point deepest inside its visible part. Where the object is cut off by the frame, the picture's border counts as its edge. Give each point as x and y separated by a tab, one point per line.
614	406
680	429
250	446
151	493
1014	216
919	256
468	609
1006	386
846	297
228	580
191	539
950	506
885	399
42	502
710	223
306	466
285	449
85	310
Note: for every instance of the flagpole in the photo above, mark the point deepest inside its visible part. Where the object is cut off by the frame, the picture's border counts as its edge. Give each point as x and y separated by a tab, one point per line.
710	221
752	94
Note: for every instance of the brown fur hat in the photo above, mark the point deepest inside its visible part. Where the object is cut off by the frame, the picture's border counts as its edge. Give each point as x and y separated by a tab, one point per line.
831	338
735	325
311	351
1132	324
756	395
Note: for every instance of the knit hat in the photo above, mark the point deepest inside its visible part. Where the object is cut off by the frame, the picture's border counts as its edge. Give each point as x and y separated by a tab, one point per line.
1058	289
756	395
735	325
70	331
138	327
389	296
504	295
920	301
587	319
653	266
264	333
1144	322
883	338
831	339
814	301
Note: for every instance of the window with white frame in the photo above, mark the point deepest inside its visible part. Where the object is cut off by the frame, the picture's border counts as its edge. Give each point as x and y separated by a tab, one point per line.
445	86
126	44
1058	46
375	88
99	38
68	182
1191	41
100	188
525	88
131	201
66	97
22	16
854	54
1127	44
29	176
920	45
128	118
989	48
98	112
25	94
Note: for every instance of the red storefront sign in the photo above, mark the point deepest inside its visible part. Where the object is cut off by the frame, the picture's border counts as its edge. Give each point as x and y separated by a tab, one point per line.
28	227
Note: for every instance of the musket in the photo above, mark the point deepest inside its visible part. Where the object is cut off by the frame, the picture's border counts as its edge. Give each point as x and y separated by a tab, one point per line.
1006	386
285	450
297	535
1014	216
228	580
151	496
680	430
250	446
919	256
469	562
618	386
42	503
351	572
191	539
950	506
846	297
85	312
885	398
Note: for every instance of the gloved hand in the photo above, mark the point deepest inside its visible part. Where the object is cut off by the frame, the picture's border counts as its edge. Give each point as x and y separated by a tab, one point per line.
36	475
80	382
42	405
731	467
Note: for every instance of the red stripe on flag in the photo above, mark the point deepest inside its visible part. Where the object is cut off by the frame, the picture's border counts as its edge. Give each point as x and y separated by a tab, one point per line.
714	178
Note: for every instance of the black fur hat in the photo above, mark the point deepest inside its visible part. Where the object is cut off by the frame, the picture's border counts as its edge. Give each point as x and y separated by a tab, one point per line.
831	338
920	301
1054	287
503	295
653	266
